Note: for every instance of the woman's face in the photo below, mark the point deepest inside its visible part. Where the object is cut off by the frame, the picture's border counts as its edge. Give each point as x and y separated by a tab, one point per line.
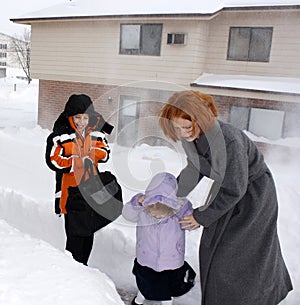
184	129
81	121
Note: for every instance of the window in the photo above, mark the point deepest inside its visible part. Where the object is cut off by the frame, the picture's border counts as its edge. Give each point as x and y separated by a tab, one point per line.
2	63
128	125
140	39
2	73
176	38
291	127
250	44
3	55
3	46
266	123
239	117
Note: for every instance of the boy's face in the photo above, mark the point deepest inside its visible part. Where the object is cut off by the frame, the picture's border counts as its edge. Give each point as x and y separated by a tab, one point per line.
81	121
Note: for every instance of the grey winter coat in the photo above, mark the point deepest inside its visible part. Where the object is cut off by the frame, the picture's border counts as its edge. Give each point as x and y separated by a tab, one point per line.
240	257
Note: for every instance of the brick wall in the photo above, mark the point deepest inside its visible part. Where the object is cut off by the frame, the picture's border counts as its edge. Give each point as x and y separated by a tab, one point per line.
54	94
224	102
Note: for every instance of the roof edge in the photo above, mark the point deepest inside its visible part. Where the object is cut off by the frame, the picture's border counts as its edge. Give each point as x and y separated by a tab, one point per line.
182	15
262	7
244	89
163	15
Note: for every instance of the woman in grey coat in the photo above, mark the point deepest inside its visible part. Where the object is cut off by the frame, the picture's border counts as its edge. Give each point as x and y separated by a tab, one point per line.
240	256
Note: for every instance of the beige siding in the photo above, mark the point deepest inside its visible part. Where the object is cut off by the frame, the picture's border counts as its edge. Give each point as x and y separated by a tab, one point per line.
89	52
285	50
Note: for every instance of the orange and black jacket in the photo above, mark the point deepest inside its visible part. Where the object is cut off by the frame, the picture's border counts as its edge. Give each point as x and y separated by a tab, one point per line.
64	152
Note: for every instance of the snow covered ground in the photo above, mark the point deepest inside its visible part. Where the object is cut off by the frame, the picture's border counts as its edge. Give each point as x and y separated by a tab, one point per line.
35	269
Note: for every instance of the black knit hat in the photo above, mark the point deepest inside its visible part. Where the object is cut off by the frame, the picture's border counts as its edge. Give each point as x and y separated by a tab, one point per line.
82	103
79	103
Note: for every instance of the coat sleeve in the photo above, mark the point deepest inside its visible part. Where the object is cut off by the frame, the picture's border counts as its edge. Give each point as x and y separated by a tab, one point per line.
99	151
55	159
185	210
132	209
228	192
189	177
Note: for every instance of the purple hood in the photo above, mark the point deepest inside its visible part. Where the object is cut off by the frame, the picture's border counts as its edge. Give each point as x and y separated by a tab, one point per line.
162	188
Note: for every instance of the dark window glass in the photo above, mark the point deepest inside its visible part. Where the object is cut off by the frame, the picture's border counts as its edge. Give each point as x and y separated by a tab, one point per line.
144	39
249	44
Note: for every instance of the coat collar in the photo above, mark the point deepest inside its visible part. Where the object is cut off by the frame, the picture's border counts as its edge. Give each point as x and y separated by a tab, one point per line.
206	140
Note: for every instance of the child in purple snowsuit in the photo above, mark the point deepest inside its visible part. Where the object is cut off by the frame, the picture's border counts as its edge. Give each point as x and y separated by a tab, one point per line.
160	269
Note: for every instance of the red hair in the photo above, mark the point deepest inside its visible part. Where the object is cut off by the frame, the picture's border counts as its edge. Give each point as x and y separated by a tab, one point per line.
197	107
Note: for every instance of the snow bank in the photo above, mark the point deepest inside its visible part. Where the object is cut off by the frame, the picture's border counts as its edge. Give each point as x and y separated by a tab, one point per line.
37	273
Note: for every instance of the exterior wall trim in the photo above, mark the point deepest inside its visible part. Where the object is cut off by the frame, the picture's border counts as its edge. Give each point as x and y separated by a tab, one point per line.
246	90
165	16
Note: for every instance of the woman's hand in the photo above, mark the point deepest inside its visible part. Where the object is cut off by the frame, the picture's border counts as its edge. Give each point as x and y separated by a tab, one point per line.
189	223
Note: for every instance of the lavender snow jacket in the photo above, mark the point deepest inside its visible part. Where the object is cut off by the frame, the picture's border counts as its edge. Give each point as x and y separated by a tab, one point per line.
160	243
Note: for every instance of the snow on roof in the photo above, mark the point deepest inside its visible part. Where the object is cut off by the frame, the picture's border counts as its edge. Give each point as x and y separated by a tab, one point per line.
248	82
84	8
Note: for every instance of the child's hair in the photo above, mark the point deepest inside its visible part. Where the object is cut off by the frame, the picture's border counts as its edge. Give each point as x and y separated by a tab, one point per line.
162	208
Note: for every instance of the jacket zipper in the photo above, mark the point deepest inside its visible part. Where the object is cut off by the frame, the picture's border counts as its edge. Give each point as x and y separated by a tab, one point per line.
158	245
